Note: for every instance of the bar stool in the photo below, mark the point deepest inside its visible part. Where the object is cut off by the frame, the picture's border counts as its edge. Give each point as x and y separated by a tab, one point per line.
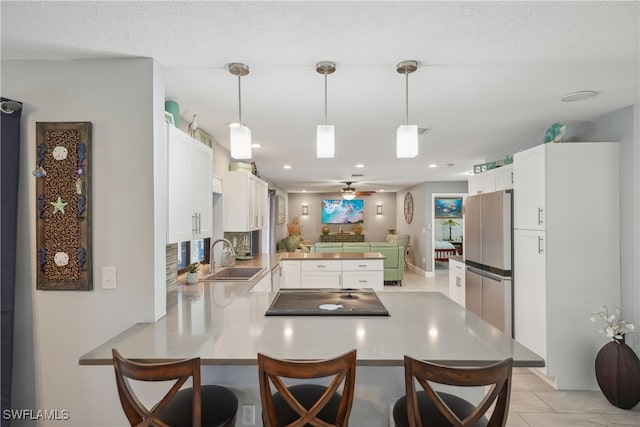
435	408
306	404
178	407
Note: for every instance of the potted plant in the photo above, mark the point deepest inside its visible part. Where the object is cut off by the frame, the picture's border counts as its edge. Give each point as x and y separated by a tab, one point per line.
617	366
192	273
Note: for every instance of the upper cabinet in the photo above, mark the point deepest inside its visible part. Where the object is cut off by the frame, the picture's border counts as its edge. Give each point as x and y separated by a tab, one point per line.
245	200
189	197
530	181
492	180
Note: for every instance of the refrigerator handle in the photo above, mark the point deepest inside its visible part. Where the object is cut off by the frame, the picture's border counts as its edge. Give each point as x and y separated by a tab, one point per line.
540	240
540	220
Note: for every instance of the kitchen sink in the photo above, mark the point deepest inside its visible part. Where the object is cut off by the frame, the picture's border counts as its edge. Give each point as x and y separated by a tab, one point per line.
232	274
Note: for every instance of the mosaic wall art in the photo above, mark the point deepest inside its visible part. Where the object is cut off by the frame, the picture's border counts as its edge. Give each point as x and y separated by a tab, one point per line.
63	215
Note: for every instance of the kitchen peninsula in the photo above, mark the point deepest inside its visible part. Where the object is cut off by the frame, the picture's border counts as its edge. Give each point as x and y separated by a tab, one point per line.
224	324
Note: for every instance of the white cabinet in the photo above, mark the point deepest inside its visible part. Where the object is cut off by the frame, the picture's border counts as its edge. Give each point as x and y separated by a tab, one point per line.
497	179
189	197
332	274
289	274
456	281
530	181
321	274
566	253
245	202
504	177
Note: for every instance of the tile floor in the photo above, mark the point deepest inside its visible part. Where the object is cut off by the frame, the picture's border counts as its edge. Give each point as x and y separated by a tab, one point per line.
534	402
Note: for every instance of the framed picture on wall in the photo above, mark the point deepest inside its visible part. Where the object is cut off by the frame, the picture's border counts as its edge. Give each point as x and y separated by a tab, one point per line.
448	207
281	210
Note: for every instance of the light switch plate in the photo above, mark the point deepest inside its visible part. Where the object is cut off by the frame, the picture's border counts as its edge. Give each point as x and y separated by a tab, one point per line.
108	277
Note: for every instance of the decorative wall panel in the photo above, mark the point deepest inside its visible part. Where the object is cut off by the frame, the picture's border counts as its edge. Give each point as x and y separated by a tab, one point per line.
63	214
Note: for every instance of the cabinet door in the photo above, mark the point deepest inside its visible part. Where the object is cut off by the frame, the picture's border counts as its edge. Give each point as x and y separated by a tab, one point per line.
314	280
504	178
202	195
289	274
529	180
264	205
180	215
235	200
456	281
488	181
473	292
361	279
529	290
474	184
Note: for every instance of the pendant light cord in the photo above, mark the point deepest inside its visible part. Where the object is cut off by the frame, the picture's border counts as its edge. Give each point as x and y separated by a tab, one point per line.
406	76
325	98
239	101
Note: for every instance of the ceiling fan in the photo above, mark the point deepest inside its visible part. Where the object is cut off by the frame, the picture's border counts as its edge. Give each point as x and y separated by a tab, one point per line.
350	192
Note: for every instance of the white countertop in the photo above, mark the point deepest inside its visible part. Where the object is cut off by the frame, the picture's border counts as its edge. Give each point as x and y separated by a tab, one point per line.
223	324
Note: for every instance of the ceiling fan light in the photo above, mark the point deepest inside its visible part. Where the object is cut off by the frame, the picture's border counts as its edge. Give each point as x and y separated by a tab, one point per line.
240	142
349	195
325	141
407	141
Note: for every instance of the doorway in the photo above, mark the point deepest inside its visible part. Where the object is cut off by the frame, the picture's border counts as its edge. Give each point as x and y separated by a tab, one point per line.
447	223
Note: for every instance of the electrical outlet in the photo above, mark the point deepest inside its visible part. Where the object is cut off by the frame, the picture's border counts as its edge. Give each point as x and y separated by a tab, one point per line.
248	415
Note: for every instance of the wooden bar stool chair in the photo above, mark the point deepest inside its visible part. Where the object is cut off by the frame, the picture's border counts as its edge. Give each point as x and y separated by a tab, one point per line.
307	404
196	406
431	408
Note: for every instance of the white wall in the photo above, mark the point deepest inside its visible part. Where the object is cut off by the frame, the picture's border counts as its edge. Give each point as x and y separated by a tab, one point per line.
123	99
375	227
421	252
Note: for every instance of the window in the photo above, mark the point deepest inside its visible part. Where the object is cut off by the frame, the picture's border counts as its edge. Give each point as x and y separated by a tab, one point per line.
193	251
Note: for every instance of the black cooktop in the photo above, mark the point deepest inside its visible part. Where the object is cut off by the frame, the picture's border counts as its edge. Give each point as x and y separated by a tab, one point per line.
326	302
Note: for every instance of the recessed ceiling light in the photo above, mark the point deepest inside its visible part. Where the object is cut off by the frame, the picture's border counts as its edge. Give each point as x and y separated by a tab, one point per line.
433	165
304	191
286	167
381	190
256	145
578	96
359	165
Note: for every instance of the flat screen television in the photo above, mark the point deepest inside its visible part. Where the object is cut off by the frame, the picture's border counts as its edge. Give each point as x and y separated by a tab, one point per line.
340	211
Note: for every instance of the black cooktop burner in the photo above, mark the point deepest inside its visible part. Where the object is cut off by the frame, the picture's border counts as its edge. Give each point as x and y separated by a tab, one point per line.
326	302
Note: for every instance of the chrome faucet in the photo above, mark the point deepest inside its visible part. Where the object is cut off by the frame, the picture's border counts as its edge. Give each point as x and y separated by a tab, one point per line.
212	262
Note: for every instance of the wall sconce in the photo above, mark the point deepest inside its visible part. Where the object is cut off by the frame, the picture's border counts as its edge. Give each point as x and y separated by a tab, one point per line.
379	210
305	210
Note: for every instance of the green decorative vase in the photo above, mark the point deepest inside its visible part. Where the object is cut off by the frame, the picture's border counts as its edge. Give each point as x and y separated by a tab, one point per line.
291	243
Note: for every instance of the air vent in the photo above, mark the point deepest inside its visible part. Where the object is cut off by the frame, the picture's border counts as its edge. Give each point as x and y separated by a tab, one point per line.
422	131
356	175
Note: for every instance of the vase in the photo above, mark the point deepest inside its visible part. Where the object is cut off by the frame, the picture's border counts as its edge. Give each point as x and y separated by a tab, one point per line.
291	243
391	234
325	230
618	374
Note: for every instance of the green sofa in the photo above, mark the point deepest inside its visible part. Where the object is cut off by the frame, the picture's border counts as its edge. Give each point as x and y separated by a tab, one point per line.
393	263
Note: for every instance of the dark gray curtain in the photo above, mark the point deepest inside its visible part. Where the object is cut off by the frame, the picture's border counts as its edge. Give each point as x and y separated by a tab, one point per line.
10	159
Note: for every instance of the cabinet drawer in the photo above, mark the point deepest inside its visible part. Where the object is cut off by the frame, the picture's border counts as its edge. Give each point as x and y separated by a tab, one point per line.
357	279
320	265
317	280
359	265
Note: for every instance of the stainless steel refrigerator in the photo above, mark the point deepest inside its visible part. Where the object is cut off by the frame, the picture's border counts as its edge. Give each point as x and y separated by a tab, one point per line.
488	257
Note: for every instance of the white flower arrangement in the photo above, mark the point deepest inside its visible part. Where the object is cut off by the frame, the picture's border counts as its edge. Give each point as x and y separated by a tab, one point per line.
616	328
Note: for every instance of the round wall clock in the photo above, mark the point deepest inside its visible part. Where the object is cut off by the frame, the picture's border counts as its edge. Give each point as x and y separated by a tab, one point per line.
408	208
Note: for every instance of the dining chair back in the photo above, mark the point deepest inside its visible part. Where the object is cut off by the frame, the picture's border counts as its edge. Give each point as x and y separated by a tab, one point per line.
436	408
306	404
179	406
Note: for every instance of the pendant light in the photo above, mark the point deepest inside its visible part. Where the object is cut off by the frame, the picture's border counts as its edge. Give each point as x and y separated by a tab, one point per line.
407	135
348	192
325	141
240	135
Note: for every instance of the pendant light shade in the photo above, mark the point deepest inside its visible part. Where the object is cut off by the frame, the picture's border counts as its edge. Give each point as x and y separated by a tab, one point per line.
325	140
239	134
407	141
407	135
240	142
348	192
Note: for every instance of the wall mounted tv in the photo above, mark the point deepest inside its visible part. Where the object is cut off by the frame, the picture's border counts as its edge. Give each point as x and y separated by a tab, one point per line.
342	211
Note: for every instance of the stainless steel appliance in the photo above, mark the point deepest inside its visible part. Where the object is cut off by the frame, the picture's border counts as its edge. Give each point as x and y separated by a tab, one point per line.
488	257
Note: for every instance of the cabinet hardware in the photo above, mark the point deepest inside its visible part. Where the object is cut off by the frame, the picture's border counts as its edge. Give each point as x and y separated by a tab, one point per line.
194	224
362	281
362	265
540	240
540	220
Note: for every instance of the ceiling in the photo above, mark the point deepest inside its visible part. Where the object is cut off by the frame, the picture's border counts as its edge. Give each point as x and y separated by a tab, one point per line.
489	83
